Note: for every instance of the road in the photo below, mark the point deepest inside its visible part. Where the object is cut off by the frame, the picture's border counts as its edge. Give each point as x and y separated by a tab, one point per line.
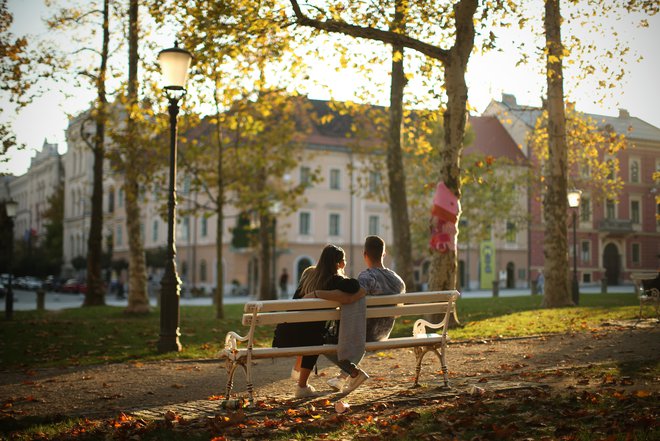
27	300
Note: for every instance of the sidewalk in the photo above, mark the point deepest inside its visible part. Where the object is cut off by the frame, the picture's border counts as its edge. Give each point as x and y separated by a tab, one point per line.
27	300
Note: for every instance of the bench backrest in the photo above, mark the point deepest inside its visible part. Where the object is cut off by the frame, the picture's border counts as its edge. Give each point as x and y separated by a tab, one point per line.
271	312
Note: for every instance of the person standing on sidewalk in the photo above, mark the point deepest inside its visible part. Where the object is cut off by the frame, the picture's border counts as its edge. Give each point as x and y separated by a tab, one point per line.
284	281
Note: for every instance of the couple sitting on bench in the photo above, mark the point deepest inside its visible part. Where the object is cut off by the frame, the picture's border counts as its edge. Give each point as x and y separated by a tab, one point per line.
327	281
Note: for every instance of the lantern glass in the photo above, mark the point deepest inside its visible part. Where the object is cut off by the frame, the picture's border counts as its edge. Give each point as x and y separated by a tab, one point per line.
174	65
574	198
11	207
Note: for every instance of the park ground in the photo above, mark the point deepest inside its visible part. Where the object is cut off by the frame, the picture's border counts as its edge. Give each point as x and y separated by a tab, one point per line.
593	380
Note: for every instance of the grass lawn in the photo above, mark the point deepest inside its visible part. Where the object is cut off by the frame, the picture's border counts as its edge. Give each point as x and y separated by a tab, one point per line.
85	336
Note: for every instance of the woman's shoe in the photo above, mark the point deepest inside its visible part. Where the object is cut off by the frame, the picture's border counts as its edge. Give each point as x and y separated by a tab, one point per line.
305	392
352	383
336	382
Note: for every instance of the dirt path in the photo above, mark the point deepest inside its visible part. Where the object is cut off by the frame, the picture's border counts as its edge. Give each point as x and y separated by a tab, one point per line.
106	390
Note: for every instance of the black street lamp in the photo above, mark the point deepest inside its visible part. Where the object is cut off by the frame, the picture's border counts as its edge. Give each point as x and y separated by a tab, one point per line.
574	202
174	64
10	208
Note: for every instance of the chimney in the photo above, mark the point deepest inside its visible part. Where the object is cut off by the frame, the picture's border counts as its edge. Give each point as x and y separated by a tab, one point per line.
509	100
623	113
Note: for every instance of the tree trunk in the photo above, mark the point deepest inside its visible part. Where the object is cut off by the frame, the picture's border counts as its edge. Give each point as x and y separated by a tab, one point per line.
444	265
138	298
555	205
219	289
266	291
401	247
95	290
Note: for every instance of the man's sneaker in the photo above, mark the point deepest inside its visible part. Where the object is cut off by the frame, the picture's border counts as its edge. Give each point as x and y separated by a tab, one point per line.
336	382
305	392
353	383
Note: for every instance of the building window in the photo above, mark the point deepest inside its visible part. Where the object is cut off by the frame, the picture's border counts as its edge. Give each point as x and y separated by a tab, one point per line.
510	232
185	233
585	171
304	223
202	270
635	254
205	226
585	254
375	181
334	179
611	166
334	224
634	171
120	198
634	212
374	225
154	231
305	176
585	209
119	235
610	209
142	233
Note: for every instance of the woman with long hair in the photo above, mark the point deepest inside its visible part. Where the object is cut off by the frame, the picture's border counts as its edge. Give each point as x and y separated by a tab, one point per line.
326	281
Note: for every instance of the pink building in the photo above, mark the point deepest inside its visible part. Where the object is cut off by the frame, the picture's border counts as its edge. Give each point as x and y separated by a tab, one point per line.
614	238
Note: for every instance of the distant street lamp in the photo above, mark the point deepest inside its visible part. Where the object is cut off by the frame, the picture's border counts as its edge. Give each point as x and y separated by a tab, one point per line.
574	203
174	64
10	207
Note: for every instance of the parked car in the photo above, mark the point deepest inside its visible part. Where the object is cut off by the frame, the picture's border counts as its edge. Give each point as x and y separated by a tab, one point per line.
74	286
31	283
3	290
52	283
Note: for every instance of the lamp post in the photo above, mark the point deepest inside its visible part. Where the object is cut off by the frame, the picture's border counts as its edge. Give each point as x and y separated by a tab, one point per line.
10	208
574	202
174	64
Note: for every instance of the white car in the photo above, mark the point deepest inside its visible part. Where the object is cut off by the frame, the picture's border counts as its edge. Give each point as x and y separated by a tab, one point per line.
31	283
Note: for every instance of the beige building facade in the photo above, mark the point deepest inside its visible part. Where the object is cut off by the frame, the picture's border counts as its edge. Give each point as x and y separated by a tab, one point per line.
32	191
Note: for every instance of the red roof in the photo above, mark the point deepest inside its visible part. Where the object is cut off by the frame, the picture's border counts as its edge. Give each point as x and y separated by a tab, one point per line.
491	138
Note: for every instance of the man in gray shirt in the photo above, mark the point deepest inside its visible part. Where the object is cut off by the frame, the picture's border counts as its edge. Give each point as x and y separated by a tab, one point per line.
376	280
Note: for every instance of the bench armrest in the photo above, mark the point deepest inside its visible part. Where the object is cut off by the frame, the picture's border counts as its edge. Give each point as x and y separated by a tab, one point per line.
232	339
421	325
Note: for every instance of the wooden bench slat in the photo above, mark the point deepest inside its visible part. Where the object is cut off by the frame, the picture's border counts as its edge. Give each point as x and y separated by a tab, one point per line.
273	318
392	343
393	299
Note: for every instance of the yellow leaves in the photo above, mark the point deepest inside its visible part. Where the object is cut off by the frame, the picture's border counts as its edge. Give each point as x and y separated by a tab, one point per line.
553	59
397	56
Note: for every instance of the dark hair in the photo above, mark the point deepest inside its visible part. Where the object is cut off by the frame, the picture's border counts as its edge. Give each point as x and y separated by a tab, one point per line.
374	247
324	269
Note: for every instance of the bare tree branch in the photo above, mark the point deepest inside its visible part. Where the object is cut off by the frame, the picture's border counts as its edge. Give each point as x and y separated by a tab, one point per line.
388	37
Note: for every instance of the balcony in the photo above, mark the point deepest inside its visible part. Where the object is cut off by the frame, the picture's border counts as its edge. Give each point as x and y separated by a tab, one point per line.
616	226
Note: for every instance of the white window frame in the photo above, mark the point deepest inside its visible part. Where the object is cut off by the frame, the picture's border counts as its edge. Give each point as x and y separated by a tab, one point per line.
334	224
308	230
335	179
637	221
373	226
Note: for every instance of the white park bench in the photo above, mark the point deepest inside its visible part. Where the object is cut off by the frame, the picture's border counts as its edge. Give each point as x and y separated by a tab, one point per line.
425	336
648	295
